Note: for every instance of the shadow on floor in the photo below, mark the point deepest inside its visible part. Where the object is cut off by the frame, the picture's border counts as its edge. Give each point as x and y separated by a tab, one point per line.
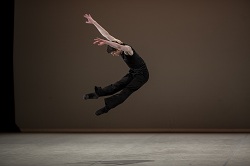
113	162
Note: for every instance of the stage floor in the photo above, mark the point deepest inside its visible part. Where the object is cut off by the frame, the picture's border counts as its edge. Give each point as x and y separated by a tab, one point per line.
115	149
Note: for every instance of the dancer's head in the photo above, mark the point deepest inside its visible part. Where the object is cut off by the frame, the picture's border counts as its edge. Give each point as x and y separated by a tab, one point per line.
114	51
110	49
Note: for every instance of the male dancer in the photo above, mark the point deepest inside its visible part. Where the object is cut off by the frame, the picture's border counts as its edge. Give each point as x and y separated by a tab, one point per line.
137	76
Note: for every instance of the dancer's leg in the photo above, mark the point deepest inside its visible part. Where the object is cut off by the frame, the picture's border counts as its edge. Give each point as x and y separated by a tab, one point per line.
111	89
115	100
114	88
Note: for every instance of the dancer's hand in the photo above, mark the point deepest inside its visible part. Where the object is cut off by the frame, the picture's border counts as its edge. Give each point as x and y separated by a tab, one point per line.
90	19
100	42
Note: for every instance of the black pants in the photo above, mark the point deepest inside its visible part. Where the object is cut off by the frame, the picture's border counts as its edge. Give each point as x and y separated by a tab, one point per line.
127	85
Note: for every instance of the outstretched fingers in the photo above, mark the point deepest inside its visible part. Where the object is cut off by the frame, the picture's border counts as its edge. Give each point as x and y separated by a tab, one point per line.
89	18
95	42
99	41
87	15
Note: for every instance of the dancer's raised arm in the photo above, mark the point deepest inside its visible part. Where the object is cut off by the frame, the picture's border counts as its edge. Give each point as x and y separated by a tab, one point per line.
104	33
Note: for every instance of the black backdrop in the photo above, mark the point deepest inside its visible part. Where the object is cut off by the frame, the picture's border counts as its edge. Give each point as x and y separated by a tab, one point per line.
7	117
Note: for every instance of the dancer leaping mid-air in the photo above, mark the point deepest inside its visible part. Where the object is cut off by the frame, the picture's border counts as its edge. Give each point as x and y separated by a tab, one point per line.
136	77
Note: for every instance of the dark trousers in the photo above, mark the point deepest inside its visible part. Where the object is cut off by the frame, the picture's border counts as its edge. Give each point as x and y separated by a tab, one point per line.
127	85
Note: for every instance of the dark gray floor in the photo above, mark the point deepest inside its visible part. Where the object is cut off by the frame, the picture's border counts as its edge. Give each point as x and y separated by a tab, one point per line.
125	149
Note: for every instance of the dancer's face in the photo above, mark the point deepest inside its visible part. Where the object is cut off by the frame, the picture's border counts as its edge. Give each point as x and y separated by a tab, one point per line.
116	53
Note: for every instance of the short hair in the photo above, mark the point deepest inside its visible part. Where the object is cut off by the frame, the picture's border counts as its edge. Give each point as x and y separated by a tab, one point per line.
110	49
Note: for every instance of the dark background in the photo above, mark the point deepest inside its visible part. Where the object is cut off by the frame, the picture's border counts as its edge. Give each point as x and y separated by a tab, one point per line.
197	53
7	116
